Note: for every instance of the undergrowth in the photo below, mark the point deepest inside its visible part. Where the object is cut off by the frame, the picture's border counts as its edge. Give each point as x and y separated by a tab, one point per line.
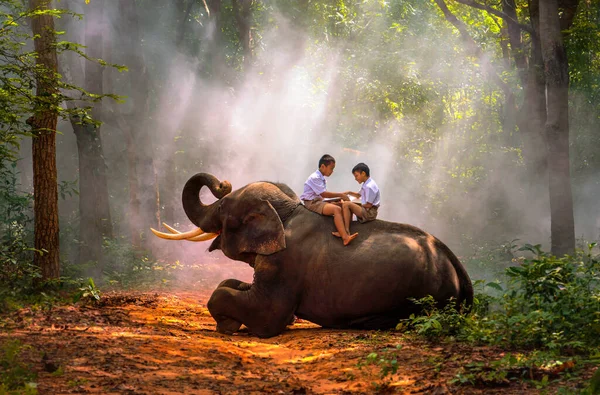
545	313
16	377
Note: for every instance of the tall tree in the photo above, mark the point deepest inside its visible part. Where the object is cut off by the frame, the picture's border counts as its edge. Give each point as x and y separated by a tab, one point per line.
557	127
94	210
532	113
241	11
215	41
143	199
43	124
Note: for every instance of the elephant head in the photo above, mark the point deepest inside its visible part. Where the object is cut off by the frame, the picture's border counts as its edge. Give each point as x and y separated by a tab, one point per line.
245	223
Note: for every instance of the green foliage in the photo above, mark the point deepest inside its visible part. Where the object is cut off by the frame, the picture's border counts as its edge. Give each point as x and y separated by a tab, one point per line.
537	368
386	362
19	74
87	292
16	377
594	387
126	266
548	304
553	303
17	273
486	260
434	322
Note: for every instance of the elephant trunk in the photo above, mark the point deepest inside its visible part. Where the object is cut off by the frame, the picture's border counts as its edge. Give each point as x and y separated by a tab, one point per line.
202	215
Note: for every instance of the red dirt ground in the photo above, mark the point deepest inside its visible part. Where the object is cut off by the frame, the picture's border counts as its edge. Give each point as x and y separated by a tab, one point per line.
165	343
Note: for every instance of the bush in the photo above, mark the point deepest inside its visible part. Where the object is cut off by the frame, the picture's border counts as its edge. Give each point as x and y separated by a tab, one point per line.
434	322
15	377
123	266
17	273
553	302
548	303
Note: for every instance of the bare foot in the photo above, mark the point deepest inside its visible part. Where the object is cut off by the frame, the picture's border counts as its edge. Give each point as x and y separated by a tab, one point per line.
337	234
350	238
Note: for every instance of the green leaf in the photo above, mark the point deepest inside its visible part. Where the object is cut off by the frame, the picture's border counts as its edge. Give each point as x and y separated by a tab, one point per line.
495	286
595	382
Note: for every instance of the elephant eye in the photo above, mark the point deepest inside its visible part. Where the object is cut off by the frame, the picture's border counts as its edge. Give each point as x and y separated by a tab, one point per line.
232	222
251	217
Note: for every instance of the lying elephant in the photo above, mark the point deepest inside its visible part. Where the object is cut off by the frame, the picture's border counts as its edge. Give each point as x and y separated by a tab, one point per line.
301	269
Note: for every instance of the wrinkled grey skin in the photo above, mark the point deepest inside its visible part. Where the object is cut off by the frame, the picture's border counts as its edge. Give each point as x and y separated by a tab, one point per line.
301	269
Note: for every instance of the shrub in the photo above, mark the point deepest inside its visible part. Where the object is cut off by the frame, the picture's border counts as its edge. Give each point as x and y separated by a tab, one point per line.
17	272
16	376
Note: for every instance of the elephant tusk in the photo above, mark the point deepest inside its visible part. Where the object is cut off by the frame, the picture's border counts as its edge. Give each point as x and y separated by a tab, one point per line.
179	235
171	229
204	237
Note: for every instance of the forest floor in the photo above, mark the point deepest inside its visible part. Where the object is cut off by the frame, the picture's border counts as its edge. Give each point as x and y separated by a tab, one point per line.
164	342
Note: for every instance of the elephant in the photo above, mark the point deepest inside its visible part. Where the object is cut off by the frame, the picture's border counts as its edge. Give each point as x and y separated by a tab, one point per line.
301	270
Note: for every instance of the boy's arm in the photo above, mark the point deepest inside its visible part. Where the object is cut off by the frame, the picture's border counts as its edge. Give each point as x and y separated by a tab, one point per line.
327	194
370	196
353	194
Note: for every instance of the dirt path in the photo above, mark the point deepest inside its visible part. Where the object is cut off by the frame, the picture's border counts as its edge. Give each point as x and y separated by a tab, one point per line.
165	343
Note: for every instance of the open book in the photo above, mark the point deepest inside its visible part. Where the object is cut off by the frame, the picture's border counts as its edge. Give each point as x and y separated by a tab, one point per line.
337	199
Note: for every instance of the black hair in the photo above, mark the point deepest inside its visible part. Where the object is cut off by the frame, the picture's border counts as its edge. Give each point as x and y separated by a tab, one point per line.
326	160
362	167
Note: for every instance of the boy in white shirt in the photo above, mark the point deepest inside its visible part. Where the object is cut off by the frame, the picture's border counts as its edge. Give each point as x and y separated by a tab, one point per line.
369	195
315	189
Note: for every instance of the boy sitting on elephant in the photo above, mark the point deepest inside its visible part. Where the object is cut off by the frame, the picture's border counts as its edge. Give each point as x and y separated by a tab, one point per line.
315	190
369	196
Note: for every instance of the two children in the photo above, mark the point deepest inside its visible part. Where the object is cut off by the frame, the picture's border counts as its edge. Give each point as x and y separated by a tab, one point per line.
315	190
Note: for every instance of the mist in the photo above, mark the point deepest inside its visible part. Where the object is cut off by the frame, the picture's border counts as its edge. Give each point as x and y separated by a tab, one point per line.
295	104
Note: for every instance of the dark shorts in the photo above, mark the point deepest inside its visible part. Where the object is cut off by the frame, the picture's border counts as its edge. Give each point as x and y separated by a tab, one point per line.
315	205
368	214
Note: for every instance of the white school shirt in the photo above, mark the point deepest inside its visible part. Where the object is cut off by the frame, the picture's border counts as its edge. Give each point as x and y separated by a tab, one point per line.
314	186
369	193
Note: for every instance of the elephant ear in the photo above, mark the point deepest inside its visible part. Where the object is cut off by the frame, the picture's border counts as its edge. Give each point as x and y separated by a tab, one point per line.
263	231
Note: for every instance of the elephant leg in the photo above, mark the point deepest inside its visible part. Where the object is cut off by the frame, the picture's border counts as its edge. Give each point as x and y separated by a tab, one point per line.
265	313
291	320
235	284
227	325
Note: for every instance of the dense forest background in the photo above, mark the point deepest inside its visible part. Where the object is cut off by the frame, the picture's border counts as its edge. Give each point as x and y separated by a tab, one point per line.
436	97
479	120
450	103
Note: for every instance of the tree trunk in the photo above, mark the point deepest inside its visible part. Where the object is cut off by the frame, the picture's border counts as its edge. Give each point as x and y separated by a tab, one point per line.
43	124
169	194
95	219
532	115
541	123
557	129
242	18
143	203
94	224
134	220
514	38
218	66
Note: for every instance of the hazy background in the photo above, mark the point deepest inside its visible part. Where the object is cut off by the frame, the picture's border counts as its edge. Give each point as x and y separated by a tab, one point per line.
432	138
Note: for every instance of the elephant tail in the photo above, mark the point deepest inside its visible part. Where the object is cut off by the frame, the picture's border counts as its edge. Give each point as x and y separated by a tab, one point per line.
466	286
